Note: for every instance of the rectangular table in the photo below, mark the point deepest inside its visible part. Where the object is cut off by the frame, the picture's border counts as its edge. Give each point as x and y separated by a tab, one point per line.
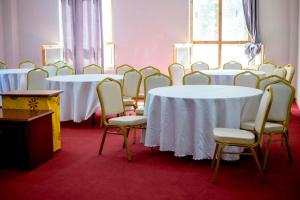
37	100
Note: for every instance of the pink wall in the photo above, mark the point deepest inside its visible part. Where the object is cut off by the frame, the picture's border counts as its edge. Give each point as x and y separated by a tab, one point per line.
145	31
1	32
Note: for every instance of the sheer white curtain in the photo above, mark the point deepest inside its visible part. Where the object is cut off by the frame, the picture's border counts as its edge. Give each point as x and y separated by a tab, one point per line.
82	32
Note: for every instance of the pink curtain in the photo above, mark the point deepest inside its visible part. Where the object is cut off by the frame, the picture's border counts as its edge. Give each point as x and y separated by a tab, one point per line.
82	32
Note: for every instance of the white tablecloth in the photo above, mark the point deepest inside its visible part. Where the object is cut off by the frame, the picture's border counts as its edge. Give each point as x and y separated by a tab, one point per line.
13	79
226	77
79	99
182	118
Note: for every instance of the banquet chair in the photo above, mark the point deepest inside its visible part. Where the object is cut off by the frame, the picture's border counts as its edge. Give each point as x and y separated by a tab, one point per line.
278	119
233	65
176	72
290	71
3	65
242	138
65	70
93	69
196	78
130	88
263	82
36	79
246	79
147	71
281	72
27	64
122	69
268	68
198	66
111	100
51	69
60	63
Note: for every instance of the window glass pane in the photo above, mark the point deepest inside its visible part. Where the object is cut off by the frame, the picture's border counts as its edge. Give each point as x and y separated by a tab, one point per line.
206	53
233	21
107	20
205	20
234	52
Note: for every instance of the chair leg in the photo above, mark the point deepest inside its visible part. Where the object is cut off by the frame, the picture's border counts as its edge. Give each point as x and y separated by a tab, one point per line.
267	152
256	159
219	155
288	148
102	141
93	119
126	143
134	135
212	166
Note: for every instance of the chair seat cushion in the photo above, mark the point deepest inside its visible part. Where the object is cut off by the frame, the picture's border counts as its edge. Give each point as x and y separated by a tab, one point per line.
229	135
139	111
270	127
128	102
127	121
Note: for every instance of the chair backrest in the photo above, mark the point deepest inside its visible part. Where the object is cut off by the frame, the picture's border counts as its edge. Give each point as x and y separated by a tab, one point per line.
147	71
266	80
60	63
3	65
281	72
155	81
36	79
196	78
93	69
27	64
65	70
131	83
290	71
122	69
233	65
110	96
51	69
198	66
246	79
283	96
262	113
268	68
176	72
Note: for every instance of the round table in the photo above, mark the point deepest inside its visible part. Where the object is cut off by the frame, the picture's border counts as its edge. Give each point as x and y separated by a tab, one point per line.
13	79
226	77
182	118
79	99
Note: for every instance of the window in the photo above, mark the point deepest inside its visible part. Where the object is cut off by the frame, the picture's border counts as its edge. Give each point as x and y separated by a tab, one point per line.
218	32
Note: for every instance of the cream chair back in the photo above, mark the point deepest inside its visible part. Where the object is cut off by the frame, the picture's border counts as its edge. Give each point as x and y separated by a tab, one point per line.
176	72
60	63
147	71
3	65
36	79
196	78
131	83
283	96
27	64
51	69
198	66
110	97
122	69
155	81
246	79
265	81
268	68
262	113
93	69
233	65
65	70
290	71
281	72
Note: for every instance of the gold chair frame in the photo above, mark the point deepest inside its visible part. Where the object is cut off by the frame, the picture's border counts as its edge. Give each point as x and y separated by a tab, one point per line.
269	77
35	69
27	61
93	65
196	63
235	62
65	66
247	72
196	72
3	64
171	65
123	65
293	72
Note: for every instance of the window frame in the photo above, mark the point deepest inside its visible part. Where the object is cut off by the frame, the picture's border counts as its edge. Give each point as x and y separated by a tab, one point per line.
219	42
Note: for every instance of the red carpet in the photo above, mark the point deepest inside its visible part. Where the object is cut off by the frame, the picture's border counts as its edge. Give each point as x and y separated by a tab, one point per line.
77	172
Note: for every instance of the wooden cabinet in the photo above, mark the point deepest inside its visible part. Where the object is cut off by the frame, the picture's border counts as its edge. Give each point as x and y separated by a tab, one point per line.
25	138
